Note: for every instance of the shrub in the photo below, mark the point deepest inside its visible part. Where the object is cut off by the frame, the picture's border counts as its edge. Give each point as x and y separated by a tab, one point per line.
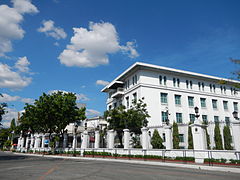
156	140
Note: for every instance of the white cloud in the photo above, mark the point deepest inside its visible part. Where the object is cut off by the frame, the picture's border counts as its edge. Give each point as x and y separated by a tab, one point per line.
10	19
27	100
22	64
90	48
130	49
56	44
50	30
11	79
80	97
7	118
92	112
102	82
8	98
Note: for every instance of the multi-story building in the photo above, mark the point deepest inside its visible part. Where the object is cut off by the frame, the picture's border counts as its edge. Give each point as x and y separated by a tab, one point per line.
172	94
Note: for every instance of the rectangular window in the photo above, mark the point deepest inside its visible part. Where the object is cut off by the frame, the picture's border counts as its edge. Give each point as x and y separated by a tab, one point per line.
164	98
181	137
127	102
192	117
227	121
216	119
178	82
165	80
178	99
160	79
204	118
225	105
203	102
174	82
164	137
214	104
235	106
164	116
187	83
191	84
179	117
133	81
190	101
135	96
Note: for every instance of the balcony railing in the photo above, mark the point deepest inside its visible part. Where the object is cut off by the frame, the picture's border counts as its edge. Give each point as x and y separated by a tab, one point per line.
118	93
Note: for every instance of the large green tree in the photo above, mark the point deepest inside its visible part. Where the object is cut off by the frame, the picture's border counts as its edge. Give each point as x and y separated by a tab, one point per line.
156	140
218	137
227	138
175	136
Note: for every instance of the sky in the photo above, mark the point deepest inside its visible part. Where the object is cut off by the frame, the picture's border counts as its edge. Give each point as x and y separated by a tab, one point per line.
81	45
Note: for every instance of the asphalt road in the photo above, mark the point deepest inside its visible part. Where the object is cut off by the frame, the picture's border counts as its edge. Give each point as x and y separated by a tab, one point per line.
39	168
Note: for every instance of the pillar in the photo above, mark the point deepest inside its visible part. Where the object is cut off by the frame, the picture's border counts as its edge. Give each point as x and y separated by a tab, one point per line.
111	139
84	144
65	140
27	140
97	139
168	137
126	138
74	143
144	137
19	141
22	142
32	141
43	141
236	134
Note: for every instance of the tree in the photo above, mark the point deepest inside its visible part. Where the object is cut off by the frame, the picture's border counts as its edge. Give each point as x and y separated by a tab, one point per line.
207	135
2	109
156	140
190	137
175	136
217	137
227	138
4	134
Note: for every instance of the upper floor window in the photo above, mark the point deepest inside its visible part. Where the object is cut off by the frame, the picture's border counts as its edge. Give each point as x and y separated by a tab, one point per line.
179	117
203	86
164	98
165	80
221	89
191	84
178	99
214	104
192	117
174	82
225	105
210	85
214	88
199	86
204	118
203	102
235	106
190	101
227	121
135	96
127	101
224	90
187	83
160	79
164	116
178	83
110	107
216	119
133	80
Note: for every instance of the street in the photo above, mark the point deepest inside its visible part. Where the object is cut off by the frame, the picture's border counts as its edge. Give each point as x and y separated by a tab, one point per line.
19	167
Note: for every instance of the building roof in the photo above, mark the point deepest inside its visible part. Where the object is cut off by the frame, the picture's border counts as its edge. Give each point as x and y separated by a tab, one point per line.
140	65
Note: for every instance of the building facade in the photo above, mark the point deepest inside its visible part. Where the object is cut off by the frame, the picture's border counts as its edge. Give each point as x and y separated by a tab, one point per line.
172	94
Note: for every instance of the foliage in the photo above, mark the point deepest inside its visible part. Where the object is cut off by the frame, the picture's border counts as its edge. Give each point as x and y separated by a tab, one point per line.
227	138
218	137
136	141
207	135
7	144
175	136
190	137
157	141
13	125
4	134
2	109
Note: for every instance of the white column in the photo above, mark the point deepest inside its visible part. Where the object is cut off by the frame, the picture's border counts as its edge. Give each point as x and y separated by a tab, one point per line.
18	145
97	139
111	139
37	142
22	142
74	143
168	137
65	140
144	138
236	134
27	140
126	138
43	141
85	138
32	141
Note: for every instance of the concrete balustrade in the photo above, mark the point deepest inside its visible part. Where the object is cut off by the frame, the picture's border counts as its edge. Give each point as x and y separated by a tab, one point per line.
126	137
145	138
97	139
111	139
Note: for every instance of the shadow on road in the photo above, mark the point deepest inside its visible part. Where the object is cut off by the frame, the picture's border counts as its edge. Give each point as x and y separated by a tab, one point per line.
8	156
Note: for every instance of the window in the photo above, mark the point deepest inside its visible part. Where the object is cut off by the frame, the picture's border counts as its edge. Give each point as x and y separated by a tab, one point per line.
225	105
210	87
190	101
114	105
109	107
160	79
181	137
127	102
174	82
178	82
227	121
164	116
203	102
164	137
224	90
199	86
187	83
192	117
191	84
165	80
164	98
216	119
235	106
214	104
203	86
204	118
221	89
214	88
133	80
179	117
135	96
177	99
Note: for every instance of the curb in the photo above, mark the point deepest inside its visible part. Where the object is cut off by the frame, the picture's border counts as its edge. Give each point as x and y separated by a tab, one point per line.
190	166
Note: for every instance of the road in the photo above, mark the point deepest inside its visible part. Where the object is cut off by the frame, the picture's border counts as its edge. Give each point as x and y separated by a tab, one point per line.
17	167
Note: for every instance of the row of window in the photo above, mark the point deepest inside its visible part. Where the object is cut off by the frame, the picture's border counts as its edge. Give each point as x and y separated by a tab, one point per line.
180	136
164	100
134	81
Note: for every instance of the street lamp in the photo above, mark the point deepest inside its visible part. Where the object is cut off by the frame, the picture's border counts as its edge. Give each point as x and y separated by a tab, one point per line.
196	112
235	115
167	120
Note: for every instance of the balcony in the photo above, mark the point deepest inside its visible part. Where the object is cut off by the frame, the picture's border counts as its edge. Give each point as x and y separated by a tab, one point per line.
119	93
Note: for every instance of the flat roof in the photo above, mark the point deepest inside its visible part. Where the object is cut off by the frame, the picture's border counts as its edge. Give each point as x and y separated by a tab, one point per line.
157	67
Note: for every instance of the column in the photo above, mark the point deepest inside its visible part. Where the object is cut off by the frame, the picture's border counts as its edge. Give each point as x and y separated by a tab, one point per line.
74	144
168	137
111	139
84	144
236	134
19	141
65	140
27	140
97	139
43	141
32	141
126	138
144	138
22	142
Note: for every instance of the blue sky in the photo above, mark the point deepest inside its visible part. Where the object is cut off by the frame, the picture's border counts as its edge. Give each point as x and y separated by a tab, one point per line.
77	45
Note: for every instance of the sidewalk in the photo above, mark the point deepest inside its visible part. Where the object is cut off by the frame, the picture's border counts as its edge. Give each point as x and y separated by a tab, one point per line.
190	166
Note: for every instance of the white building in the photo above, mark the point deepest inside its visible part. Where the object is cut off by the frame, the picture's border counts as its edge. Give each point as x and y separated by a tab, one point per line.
178	92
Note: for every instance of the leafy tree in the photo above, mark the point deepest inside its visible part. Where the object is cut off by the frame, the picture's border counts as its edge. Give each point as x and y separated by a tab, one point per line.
175	136
2	109
218	137
190	137
227	138
156	140
4	134
207	135
13	125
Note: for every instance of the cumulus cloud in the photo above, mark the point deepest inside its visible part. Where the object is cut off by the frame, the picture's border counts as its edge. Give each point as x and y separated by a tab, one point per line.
27	100
10	19
80	97
92	112
102	82
22	64
8	98
7	118
11	79
90	48
49	29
